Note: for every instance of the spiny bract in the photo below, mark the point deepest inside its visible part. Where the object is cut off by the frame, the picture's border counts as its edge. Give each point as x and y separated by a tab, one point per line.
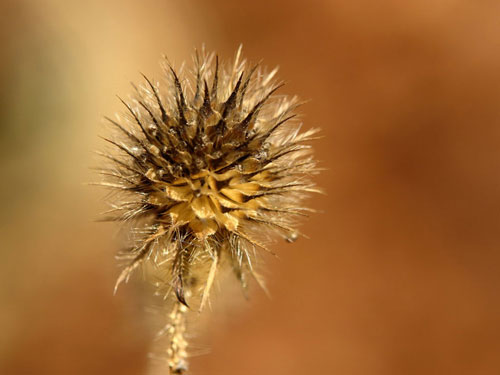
207	167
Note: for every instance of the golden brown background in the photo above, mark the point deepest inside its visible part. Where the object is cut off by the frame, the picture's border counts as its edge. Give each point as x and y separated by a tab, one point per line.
401	274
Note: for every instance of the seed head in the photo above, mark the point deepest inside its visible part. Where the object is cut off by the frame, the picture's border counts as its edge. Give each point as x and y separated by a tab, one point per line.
207	166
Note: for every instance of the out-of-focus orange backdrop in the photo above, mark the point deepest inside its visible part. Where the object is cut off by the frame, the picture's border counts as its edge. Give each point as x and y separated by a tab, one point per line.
401	271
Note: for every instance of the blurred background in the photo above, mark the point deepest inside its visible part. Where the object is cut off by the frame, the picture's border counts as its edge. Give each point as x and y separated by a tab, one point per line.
401	271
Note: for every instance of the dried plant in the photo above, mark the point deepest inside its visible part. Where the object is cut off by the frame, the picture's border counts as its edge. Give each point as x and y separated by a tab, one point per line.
207	168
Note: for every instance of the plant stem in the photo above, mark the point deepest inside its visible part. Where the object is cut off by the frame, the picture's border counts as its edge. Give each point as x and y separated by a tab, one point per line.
177	349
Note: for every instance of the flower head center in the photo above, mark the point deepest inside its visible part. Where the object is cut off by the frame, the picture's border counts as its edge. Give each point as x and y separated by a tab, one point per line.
207	201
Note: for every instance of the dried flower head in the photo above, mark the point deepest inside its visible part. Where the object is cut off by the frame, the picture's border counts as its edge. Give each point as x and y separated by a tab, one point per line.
207	167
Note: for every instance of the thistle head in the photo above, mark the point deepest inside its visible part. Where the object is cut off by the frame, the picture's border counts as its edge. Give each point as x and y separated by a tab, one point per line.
207	166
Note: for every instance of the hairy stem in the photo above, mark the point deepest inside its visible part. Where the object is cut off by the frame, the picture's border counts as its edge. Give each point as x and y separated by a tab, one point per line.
177	348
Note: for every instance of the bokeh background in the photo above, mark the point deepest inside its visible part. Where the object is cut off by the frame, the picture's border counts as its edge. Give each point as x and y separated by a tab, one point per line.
401	271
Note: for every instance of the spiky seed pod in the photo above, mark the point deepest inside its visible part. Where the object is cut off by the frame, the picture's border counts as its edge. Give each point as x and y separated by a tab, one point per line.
207	167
